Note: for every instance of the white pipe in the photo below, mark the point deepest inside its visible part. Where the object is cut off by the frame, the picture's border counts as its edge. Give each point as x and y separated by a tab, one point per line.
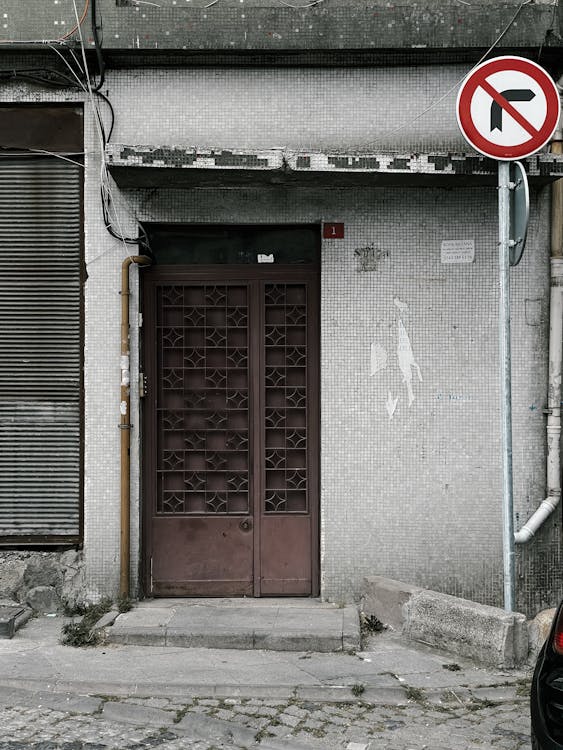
553	460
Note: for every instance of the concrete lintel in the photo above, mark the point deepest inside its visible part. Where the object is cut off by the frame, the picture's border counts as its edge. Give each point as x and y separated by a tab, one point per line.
268	25
164	166
459	626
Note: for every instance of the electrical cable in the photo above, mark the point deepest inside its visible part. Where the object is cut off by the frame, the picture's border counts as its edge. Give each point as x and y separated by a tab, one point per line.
458	83
54	78
32	152
79	22
98	46
69	66
76	27
106	192
301	7
357	147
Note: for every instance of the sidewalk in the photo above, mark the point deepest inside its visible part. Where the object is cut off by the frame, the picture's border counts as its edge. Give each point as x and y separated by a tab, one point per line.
390	696
386	672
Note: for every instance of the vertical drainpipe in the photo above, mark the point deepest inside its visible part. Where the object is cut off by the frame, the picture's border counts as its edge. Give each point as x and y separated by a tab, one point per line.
553	460
125	423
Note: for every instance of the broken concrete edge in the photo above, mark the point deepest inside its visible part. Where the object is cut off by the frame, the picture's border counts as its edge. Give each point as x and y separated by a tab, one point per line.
459	626
351	631
105	621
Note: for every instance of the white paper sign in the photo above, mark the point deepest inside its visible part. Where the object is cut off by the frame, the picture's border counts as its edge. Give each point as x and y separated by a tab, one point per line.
457	251
263	258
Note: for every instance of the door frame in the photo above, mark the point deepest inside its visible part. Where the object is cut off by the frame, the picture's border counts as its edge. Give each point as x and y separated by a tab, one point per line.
151	278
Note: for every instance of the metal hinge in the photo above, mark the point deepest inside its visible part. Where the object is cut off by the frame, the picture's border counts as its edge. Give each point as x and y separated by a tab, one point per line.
140	320
151	577
142	385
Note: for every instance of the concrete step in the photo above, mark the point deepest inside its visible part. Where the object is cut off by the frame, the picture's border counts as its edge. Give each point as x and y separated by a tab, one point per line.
270	624
12	617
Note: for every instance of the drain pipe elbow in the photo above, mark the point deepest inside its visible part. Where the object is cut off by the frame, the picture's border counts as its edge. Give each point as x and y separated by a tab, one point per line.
542	513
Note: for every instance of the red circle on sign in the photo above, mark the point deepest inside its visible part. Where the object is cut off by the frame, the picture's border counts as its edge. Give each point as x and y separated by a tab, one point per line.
478	78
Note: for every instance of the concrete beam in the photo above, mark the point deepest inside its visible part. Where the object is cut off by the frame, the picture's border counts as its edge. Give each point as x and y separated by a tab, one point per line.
270	26
459	626
162	166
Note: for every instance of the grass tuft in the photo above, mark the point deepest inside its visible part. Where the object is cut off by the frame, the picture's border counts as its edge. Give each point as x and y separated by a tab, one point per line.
81	633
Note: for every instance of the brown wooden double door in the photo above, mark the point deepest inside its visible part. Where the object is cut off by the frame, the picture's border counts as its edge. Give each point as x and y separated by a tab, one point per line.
231	486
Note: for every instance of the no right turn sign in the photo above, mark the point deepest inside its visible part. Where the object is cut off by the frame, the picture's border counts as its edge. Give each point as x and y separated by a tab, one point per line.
508	108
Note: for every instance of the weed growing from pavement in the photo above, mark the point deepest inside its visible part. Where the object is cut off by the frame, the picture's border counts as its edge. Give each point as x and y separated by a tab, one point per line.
262	735
477	704
124	604
415	694
452	667
82	633
358	689
313	731
181	712
523	688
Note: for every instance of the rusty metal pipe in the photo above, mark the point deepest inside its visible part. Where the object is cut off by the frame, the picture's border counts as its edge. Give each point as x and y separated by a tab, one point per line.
125	423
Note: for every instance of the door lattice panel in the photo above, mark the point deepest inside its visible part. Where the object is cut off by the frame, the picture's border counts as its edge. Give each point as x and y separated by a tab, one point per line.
286	398
202	464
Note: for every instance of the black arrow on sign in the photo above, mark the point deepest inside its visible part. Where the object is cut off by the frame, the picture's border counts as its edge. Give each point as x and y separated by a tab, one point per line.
511	95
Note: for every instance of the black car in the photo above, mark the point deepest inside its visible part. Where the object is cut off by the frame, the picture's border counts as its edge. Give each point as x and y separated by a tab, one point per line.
546	699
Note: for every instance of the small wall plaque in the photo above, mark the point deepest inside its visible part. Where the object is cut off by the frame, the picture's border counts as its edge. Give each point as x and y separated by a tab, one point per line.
457	251
332	231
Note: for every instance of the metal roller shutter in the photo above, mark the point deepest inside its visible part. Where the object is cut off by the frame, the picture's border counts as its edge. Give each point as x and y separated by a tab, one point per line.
40	348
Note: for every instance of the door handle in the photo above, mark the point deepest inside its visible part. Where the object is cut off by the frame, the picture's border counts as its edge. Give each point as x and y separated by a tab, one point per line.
245	524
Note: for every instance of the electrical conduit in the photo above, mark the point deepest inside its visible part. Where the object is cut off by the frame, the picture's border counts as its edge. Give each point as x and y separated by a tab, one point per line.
125	424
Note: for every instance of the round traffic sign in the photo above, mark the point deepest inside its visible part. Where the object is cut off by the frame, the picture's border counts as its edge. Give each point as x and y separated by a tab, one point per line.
508	108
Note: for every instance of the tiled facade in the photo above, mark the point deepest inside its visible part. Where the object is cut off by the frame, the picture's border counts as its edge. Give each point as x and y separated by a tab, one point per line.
408	491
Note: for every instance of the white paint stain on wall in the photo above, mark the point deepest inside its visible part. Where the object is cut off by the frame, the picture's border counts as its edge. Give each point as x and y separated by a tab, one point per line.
391	404
401	306
378	358
406	360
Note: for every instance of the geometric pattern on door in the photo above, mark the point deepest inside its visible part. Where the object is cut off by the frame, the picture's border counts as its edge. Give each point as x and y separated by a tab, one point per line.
285	380
202	462
231	473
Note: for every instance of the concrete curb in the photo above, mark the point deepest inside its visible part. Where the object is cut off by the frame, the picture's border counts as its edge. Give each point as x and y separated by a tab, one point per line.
459	626
81	696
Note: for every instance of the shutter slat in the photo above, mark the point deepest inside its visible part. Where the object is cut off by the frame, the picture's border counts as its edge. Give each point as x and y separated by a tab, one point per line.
40	339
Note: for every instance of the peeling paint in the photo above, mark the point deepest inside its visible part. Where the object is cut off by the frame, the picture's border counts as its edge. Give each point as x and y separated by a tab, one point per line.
378	358
406	360
402	307
391	404
125	375
538	165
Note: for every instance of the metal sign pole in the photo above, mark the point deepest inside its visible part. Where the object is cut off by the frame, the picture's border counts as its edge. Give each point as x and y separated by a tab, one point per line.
505	381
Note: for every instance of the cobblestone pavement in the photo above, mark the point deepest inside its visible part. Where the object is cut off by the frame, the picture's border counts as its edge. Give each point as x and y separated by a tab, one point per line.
492	717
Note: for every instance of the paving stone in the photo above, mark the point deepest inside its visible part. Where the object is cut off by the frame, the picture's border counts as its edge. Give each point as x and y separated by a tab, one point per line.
143	715
133	723
291	721
210	728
